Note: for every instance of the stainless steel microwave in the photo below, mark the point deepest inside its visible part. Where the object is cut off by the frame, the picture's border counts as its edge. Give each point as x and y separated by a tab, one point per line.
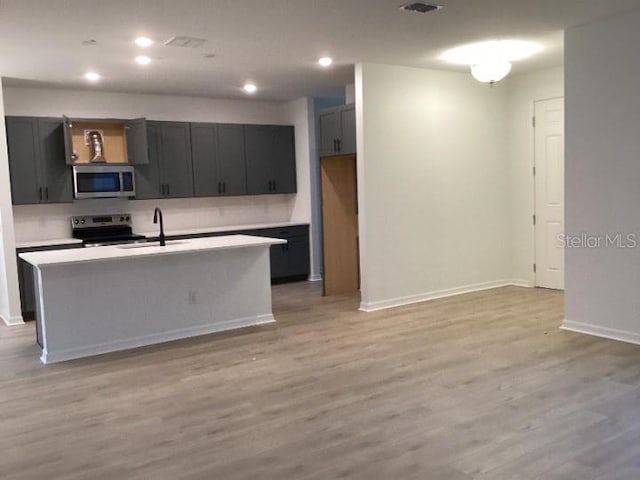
103	181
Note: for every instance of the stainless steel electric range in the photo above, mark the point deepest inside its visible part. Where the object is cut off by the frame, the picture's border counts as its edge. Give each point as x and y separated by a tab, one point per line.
100	230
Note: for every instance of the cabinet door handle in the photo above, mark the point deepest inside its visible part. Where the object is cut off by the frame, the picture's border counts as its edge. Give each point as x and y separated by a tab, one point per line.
40	193
274	186
335	145
168	189
338	142
46	192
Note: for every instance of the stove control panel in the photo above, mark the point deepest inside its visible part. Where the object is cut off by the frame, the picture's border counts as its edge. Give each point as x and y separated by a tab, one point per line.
92	221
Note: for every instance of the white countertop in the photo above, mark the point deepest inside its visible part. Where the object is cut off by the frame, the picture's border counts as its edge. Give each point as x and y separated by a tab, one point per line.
48	243
168	233
173	247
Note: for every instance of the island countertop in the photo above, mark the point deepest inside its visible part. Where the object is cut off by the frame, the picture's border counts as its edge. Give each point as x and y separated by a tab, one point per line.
173	247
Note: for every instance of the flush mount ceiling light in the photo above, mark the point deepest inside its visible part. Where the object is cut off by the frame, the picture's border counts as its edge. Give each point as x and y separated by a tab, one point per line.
143	60
490	72
250	88
490	61
92	76
325	61
144	42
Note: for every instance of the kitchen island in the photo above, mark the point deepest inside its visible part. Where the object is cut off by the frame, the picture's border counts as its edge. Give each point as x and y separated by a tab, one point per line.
96	300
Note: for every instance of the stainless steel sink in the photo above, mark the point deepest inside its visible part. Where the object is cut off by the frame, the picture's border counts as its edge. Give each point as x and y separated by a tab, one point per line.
150	244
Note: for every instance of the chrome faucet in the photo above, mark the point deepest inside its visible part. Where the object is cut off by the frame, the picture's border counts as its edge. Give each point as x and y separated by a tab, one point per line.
157	213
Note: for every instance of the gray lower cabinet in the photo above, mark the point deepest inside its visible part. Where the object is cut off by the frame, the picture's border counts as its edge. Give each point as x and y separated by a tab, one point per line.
289	262
169	173
39	173
337	127
270	158
218	154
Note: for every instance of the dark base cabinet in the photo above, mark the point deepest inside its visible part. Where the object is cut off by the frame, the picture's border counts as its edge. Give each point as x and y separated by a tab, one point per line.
289	262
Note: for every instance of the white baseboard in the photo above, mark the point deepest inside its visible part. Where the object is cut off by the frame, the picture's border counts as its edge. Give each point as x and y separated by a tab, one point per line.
603	332
15	320
90	350
315	277
424	297
519	282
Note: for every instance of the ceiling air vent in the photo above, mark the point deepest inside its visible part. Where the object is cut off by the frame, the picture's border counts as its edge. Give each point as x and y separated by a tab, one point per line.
420	7
184	42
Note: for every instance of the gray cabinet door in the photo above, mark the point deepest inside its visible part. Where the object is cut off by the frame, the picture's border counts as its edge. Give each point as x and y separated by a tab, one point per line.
168	174
337	131
329	126
148	181
175	154
69	154
22	142
206	180
230	157
136	131
55	173
347	143
258	149
284	160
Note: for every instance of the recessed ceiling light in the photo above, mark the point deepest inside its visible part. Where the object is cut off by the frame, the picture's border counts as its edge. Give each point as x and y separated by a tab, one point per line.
492	50
143	60
250	88
92	76
325	61
144	42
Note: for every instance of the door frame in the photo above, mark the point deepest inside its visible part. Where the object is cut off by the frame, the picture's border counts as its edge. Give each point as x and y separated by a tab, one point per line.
532	139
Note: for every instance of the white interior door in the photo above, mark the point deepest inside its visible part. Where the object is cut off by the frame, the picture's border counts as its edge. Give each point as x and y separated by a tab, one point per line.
549	180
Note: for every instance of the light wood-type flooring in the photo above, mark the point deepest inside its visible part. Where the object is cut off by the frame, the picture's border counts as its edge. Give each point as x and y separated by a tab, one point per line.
477	386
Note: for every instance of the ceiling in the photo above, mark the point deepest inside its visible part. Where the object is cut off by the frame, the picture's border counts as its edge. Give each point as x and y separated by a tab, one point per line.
274	43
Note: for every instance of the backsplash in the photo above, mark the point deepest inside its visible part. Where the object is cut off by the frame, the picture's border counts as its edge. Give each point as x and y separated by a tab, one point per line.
45	222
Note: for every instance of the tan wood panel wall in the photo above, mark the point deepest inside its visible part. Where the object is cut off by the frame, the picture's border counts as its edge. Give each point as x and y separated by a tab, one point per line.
340	224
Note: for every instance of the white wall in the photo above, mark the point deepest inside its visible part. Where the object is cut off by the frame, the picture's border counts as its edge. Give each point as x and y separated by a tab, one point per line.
43	222
300	113
433	181
92	104
602	102
9	294
350	93
524	90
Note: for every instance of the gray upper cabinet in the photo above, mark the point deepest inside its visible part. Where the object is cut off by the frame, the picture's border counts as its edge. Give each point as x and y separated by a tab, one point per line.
284	160
37	165
337	131
168	173
218	153
270	157
136	134
125	142
329	124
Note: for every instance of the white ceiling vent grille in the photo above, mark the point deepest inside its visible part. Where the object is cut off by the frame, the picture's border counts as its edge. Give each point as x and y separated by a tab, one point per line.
420	7
184	42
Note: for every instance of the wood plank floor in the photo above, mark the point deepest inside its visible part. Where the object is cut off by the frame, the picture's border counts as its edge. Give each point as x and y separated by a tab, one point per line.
478	386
